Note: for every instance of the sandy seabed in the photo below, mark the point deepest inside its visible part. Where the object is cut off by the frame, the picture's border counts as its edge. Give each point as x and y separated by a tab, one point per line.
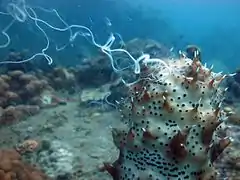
81	140
85	133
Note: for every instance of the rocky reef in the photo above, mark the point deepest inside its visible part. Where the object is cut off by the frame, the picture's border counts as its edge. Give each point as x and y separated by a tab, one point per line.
171	116
176	119
23	94
233	84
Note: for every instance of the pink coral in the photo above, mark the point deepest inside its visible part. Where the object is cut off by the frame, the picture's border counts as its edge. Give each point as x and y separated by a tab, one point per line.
29	145
12	168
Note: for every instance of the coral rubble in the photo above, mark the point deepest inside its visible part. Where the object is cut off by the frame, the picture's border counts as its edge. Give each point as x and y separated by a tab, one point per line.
56	159
228	165
233	84
171	116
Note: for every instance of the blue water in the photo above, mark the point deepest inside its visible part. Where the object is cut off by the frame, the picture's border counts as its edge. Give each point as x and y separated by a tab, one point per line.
213	26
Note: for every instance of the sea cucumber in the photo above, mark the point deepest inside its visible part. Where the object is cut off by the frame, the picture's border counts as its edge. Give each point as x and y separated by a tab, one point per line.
171	114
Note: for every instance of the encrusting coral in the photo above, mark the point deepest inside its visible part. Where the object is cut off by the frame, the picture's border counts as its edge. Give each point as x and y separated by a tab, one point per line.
16	90
12	168
171	116
22	95
61	78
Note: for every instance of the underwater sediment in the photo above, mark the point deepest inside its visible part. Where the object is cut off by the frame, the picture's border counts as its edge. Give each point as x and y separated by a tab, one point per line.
175	125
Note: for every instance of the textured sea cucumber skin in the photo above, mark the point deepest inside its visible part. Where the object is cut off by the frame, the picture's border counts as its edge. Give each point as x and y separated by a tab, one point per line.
170	117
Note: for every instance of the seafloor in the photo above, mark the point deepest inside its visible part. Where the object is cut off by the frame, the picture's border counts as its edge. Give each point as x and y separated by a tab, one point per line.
79	140
65	116
76	140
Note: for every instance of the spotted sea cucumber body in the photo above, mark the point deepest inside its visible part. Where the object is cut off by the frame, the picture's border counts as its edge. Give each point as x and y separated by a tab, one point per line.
171	116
